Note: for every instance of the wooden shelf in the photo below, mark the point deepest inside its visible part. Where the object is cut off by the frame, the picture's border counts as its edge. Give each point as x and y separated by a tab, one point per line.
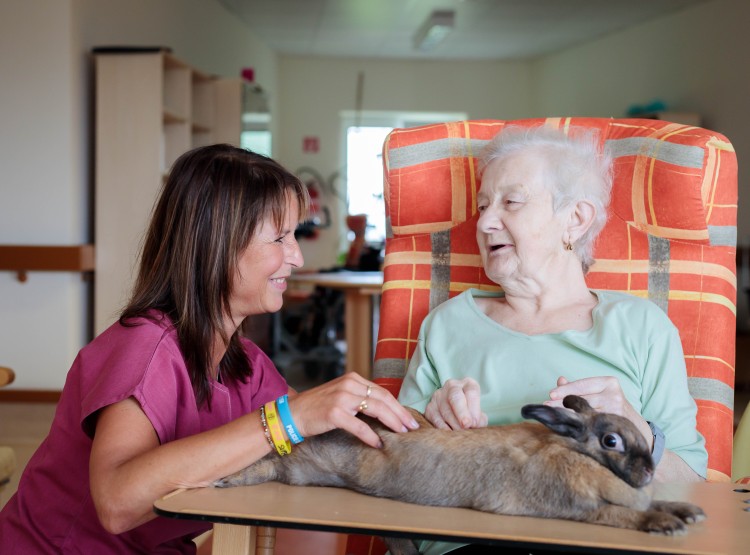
171	117
38	258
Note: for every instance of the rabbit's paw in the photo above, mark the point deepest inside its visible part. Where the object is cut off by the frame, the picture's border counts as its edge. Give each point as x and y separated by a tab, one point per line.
687	512
240	478
656	522
257	473
223	483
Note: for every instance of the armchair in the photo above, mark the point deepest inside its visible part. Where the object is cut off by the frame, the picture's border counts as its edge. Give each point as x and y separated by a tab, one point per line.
671	238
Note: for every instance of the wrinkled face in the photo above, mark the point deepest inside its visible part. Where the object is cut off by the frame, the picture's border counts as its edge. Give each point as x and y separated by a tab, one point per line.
518	233
264	265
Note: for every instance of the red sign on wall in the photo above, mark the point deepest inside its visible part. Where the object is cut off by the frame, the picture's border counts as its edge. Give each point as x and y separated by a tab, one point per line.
311	144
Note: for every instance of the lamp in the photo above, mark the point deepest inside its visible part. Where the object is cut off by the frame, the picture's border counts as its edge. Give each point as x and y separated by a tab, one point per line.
434	29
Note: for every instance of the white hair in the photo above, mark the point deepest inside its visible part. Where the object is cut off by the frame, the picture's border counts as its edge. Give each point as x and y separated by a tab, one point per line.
579	170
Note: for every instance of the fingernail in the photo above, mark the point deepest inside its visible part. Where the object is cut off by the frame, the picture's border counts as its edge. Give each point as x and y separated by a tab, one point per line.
380	444
414	424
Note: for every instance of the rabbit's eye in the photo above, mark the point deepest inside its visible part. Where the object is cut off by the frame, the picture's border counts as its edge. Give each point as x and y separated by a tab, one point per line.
612	441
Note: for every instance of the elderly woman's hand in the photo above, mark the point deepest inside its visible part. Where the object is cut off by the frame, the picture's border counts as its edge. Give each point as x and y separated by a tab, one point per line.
335	404
456	406
604	394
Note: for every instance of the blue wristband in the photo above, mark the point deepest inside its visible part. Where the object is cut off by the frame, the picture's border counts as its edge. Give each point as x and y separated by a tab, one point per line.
282	405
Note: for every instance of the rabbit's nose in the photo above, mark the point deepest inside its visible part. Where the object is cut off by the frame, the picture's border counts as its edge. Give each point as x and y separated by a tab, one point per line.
648	474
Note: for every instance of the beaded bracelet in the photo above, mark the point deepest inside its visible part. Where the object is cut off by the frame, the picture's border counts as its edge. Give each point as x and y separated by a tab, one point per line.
265	427
282	405
283	446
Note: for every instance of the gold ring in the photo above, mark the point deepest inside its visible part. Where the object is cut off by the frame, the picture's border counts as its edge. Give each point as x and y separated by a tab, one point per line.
362	406
369	390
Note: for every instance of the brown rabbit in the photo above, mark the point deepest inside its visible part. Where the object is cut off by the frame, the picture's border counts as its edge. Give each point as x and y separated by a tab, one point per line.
583	465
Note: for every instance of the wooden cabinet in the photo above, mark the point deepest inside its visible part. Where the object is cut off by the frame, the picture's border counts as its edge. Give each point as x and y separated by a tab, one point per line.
150	108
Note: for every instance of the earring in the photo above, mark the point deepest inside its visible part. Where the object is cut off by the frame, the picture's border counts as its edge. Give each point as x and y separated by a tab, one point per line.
568	246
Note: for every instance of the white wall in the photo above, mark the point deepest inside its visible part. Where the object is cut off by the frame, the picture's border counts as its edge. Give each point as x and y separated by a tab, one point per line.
43	189
313	92
46	145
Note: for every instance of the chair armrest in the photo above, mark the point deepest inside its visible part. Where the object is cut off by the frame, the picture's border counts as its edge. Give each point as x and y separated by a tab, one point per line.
6	376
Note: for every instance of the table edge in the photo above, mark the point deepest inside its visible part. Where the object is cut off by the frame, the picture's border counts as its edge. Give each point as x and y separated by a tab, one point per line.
368	531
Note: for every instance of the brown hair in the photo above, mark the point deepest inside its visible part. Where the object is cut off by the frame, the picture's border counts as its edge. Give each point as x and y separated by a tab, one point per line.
208	210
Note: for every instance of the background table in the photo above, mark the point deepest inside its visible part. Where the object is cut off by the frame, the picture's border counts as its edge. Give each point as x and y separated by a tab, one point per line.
726	531
360	318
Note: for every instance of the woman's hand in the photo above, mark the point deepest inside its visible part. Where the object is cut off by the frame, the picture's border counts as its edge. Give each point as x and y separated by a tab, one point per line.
456	406
335	404
604	394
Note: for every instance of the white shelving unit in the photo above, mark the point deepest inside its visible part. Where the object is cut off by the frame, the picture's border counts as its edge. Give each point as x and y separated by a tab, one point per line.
150	108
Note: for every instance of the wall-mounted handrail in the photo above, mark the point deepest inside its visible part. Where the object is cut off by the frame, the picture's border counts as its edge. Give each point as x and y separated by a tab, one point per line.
43	258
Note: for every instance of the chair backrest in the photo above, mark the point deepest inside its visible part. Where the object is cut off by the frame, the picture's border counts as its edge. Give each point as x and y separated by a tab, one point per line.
670	237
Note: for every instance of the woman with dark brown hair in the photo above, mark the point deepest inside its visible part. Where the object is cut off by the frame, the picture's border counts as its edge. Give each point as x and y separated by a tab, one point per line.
171	395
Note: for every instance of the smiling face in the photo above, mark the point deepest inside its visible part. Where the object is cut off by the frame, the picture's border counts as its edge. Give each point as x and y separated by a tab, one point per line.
518	233
264	266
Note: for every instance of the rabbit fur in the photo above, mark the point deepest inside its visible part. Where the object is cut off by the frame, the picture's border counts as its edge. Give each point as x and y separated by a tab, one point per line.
577	464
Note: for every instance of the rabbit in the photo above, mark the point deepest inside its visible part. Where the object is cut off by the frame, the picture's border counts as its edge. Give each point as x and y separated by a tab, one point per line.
579	465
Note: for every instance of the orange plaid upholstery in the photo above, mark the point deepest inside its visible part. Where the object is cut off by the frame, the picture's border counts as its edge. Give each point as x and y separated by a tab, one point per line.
670	238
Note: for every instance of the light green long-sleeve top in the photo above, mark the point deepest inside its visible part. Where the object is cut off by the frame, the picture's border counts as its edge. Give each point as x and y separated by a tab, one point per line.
631	339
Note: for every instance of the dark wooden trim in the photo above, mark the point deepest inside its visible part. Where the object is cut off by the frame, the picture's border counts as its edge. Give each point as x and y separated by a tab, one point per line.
63	258
29	396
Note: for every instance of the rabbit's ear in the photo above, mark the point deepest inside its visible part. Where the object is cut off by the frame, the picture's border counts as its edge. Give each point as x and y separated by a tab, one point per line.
578	404
560	421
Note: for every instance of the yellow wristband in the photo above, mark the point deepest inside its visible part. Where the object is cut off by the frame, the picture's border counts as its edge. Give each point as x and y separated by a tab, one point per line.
265	427
283	446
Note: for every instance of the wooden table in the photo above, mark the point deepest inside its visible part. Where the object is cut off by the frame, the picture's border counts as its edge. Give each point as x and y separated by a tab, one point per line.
360	290
726	531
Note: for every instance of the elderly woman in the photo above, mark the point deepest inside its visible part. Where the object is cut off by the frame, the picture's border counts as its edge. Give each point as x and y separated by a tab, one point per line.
482	355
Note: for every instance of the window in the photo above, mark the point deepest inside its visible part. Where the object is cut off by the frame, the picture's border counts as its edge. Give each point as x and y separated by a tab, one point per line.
255	134
364	134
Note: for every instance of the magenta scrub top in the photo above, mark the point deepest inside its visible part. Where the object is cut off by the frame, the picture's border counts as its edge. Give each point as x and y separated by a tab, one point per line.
52	511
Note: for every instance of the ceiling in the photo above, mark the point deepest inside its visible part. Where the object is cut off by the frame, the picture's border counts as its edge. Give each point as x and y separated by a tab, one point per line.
484	29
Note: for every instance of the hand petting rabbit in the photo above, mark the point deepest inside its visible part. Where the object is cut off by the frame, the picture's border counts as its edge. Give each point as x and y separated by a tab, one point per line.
583	465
